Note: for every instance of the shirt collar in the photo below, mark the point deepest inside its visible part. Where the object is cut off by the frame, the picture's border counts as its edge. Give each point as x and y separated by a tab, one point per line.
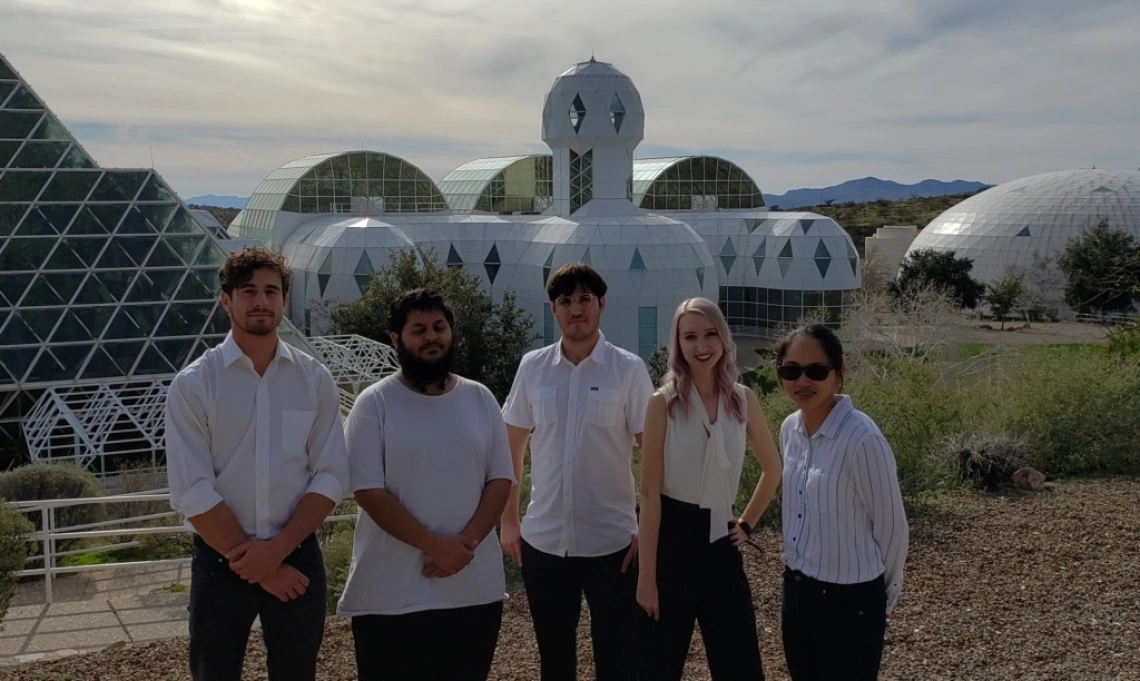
598	354
830	426
232	352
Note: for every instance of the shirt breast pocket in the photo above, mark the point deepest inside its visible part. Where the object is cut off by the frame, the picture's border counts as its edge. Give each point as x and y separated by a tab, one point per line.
605	408
823	491
544	405
296	424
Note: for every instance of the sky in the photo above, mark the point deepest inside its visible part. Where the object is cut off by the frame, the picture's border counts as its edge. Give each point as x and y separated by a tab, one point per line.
803	94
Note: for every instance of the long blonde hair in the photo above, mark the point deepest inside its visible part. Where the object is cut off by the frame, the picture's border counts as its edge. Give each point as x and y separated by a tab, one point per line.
677	383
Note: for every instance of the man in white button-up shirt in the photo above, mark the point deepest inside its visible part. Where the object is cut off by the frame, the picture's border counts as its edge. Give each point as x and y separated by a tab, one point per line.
256	461
581	404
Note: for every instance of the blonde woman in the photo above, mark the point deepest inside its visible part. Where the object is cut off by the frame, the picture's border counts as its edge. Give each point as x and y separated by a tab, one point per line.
690	570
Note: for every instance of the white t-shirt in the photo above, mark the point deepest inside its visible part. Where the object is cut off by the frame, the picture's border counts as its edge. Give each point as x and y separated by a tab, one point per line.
584	417
434	454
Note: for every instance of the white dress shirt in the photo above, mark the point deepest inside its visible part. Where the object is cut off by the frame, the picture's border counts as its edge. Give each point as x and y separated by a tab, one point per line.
257	443
585	418
435	454
703	460
843	517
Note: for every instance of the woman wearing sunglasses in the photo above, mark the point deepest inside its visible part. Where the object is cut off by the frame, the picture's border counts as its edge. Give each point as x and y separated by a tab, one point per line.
845	532
690	567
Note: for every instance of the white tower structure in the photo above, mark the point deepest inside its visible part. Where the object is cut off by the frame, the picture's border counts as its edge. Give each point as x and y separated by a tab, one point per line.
593	120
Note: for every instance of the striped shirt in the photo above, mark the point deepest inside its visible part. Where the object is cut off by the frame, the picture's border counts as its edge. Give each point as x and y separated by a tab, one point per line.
843	517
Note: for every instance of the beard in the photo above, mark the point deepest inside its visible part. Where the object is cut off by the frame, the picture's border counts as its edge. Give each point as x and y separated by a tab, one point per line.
422	373
255	327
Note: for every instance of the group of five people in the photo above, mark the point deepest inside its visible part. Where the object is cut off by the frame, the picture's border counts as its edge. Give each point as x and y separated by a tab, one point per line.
258	458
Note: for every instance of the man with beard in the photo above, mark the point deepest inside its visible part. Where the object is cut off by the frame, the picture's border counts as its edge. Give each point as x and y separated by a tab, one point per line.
584	399
256	460
431	469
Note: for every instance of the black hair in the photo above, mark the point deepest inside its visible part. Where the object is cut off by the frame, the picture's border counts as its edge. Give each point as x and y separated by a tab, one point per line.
822	335
238	268
569	277
419	300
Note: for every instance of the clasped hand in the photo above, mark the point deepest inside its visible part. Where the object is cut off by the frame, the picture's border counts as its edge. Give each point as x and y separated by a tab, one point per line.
260	562
448	554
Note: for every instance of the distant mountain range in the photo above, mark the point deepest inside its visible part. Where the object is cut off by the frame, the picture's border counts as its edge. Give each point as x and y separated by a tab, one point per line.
856	191
869	189
218	201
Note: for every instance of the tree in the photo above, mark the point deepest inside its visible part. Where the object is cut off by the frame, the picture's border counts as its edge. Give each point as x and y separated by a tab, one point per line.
940	270
658	364
1102	270
1043	288
490	337
1004	294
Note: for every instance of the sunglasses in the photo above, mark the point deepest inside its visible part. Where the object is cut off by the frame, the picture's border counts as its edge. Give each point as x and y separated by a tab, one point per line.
792	372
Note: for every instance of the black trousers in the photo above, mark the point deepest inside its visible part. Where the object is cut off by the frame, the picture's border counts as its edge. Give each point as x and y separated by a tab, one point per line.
554	588
833	632
699	581
456	644
223	608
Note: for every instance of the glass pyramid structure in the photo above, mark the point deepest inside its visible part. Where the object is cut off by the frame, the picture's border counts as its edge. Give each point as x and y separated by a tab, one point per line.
104	274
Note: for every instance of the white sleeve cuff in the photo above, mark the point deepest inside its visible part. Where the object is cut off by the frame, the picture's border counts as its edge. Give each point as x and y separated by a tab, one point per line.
199	499
326	485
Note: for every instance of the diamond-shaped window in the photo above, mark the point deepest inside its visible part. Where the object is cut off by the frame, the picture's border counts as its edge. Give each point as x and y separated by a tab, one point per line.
758	256
1024	231
577	113
364	271
546	268
785	258
617	113
492	263
701	277
453	259
728	256
822	258
806	225
324	273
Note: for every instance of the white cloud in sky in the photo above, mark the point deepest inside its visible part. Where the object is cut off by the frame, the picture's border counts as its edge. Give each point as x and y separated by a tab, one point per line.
800	94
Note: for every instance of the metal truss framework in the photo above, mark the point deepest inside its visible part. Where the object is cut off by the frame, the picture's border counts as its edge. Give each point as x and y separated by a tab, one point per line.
88	424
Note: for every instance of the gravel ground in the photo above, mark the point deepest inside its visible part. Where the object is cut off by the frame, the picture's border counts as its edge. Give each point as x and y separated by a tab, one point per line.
1041	587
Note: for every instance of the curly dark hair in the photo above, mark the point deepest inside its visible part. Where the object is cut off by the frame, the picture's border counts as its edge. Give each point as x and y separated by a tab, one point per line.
239	267
420	300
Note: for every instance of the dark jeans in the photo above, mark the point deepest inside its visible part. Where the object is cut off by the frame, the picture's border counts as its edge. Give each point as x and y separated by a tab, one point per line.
223	607
699	581
456	644
554	587
833	632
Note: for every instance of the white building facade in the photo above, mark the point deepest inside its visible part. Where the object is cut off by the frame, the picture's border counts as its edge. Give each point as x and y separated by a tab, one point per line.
658	230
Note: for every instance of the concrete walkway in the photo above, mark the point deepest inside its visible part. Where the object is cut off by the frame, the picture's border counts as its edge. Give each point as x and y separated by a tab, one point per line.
94	610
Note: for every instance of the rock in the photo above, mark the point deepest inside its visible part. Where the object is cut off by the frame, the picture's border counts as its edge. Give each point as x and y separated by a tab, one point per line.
116	645
1029	479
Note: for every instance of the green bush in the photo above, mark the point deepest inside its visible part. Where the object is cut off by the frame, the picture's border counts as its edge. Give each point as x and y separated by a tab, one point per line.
14	531
40	481
337	549
1078	411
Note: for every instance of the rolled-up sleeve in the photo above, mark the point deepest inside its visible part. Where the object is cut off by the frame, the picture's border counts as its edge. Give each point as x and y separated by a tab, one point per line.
328	459
878	478
364	441
190	466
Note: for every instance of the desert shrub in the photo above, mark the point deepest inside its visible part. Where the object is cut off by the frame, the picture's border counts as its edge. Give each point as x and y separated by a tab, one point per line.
986	461
39	481
1124	342
1078	411
337	549
14	531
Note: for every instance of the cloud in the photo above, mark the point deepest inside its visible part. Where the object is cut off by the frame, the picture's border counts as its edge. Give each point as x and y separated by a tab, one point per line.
799	94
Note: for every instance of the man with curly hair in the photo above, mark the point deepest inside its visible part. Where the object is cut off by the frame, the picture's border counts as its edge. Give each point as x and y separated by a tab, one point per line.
256	461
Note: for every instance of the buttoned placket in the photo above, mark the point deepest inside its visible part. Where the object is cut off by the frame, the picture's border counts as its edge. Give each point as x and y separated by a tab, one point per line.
801	505
570	448
262	466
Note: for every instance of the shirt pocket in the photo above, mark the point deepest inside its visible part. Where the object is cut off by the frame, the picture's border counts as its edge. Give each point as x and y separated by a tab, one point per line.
605	407
823	490
296	424
544	405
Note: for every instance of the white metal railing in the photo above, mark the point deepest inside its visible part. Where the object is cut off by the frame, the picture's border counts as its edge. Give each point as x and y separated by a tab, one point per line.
50	534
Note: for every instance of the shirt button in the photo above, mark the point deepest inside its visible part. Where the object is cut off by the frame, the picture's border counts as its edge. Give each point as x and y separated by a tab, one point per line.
799	515
801	491
793	538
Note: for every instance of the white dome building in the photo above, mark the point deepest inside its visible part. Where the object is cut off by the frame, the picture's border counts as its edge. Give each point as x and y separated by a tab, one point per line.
1005	227
658	230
